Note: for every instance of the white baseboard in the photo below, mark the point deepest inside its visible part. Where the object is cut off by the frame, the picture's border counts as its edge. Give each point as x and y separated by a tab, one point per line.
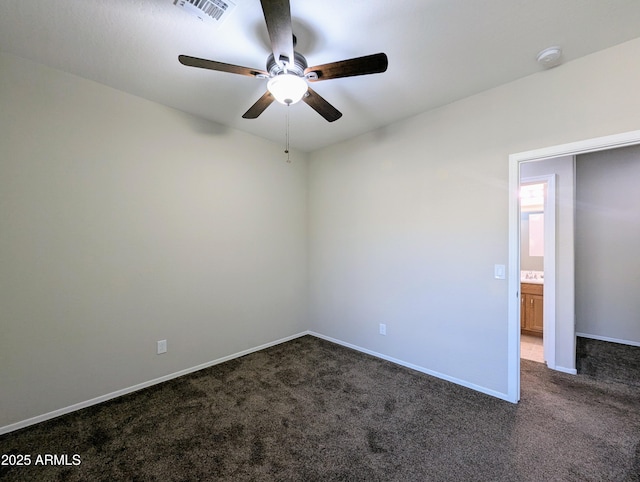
570	371
457	381
606	338
140	386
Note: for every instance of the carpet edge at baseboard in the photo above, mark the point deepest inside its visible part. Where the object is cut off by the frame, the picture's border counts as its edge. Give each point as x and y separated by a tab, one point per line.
12	427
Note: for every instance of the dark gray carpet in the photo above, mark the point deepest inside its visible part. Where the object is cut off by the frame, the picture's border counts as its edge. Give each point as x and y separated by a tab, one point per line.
603	360
310	410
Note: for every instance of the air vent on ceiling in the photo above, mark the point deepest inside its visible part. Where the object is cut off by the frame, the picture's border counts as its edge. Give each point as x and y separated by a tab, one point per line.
210	11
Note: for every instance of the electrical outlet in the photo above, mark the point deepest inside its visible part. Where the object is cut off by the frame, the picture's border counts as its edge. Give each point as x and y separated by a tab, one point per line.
383	329
162	346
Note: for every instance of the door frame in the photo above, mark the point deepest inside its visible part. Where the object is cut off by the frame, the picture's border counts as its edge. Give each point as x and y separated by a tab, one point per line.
570	149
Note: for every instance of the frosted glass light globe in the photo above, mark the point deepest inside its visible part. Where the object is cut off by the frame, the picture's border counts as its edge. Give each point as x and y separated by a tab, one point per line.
287	88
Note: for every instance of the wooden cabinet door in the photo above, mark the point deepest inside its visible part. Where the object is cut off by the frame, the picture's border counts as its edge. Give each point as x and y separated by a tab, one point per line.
531	309
535	317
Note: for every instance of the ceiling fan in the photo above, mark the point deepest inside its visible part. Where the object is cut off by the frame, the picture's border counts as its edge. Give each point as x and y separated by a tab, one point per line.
287	70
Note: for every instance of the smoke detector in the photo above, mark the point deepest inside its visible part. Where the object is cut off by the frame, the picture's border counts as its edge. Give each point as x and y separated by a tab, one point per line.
550	57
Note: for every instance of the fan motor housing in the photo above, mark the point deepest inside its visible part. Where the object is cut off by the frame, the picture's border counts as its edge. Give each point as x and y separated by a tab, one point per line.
296	68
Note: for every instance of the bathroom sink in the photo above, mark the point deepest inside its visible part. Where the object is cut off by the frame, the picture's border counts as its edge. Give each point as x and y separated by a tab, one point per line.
533	277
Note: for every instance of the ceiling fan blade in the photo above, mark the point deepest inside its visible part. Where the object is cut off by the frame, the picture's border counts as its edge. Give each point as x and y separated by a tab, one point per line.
321	106
259	107
369	64
220	66
277	15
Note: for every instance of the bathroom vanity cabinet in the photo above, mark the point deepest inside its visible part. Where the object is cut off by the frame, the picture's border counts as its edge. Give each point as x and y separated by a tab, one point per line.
531	319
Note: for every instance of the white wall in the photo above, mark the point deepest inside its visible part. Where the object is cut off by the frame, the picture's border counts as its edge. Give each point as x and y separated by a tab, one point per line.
408	222
607	243
123	222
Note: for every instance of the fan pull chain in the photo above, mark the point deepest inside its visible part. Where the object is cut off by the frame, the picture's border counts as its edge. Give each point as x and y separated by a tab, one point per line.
286	149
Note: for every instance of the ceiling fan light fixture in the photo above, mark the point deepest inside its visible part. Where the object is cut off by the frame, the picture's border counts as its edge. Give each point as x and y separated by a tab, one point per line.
286	69
287	88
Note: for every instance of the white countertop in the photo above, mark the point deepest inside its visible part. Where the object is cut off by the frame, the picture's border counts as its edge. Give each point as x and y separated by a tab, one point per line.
533	277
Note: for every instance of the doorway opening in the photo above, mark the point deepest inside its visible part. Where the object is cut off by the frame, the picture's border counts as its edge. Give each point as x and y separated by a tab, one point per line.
564	330
537	273
535	196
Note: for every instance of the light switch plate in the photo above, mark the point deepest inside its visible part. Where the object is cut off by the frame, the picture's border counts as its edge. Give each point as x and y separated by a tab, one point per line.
500	271
162	346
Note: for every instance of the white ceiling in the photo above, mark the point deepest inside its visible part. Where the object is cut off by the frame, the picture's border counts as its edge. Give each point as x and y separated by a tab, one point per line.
439	51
